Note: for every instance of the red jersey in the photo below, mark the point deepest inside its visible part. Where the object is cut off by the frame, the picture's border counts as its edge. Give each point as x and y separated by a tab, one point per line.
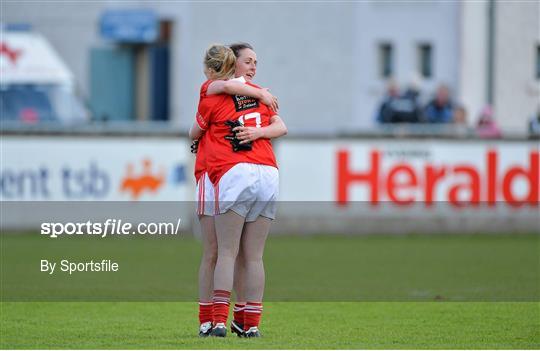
214	111
200	158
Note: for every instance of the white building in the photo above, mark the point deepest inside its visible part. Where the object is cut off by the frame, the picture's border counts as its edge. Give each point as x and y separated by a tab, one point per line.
327	61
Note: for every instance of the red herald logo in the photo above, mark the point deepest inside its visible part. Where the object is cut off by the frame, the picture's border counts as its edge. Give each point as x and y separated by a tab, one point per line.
403	176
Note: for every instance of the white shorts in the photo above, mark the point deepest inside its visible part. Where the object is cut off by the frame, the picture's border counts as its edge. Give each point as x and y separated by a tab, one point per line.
205	196
251	190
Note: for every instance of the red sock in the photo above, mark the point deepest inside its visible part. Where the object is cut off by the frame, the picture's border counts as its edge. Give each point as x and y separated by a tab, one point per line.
205	311
222	299
238	312
252	314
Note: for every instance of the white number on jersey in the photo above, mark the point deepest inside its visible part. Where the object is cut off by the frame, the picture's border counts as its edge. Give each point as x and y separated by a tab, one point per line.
252	115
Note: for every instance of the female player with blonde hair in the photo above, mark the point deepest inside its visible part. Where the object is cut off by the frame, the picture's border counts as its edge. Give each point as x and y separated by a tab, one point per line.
219	67
243	169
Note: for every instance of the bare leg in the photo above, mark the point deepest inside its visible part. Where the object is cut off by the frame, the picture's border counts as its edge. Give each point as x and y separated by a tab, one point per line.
209	258
253	241
239	279
228	232
239	276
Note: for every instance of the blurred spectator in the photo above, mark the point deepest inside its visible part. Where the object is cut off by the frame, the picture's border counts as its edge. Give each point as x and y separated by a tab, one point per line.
385	111
397	108
487	127
534	124
459	119
440	109
460	116
413	112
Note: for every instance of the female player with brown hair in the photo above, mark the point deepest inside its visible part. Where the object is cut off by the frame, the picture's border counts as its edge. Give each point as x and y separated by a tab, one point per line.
243	169
219	65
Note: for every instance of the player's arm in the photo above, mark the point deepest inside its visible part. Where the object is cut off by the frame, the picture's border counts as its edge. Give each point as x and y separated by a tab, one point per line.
276	129
233	87
200	125
195	132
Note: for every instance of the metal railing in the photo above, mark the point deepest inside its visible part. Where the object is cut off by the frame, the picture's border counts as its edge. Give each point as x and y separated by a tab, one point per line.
168	129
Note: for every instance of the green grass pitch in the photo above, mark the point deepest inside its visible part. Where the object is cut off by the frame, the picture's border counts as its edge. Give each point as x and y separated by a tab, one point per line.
324	292
286	325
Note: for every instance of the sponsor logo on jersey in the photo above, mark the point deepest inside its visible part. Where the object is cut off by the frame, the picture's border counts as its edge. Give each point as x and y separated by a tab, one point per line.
242	103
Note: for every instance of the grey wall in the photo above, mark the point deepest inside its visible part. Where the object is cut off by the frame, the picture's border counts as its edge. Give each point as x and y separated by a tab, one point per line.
405	25
304	51
517	91
319	58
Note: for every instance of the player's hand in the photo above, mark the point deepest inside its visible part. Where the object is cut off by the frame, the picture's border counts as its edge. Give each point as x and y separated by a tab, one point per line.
269	100
247	134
